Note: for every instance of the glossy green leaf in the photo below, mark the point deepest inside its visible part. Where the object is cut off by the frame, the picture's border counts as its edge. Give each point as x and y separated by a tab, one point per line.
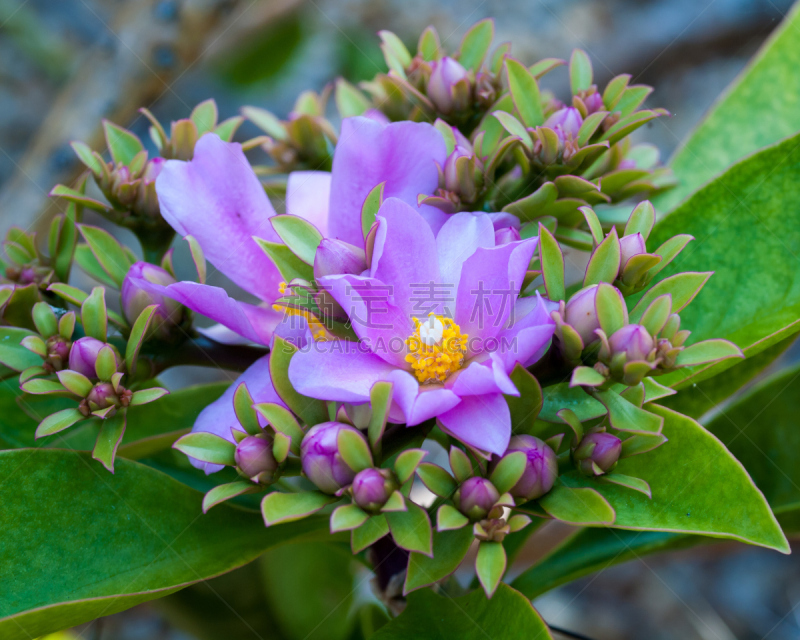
562	396
460	464
282	421
525	93
490	565
752	113
580	71
411	529
437	479
58	422
604	264
278	508
611	311
265	121
577	505
107	251
347	517
372	203
552	264
223	492
475	44
12	354
93	314
508	471
707	351
111	431
430	616
626	416
371	531
349	100
299	235
289	265
354	450
380	400
449	549
682	287
137	337
152	542
205	116
122	144
449	518
407	462
207	447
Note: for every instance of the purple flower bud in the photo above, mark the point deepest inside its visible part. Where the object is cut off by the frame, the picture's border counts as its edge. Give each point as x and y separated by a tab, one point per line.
83	356
505	235
600	448
152	169
569	121
255	460
630	246
593	102
321	460
137	294
541	468
451	178
57	353
475	497
335	257
372	488
633	340
445	74
102	396
581	314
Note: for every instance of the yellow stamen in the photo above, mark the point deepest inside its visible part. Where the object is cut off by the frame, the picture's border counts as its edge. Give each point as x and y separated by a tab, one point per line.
436	349
318	330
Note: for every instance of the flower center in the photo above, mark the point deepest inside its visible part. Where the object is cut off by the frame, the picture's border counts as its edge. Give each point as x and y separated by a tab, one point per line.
436	349
318	329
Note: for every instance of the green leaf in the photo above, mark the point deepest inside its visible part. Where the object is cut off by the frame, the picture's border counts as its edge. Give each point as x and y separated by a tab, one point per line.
626	416
642	220
108	252
682	287
93	314
347	517
75	382
490	565
636	484
78	198
552	264
122	144
580	71
282	421
137	337
223	492
449	518
245	412
396	502
508	471
311	411
68	293
227	128
752	113
370	207
146	396
278	508
604	264
437	479
106	363
152	544
577	505
111	432
475	44
562	396
265	121
525	93
380	400
708	351
524	408
515	128
586	377
371	531
407	462
449	549
354	450
349	100
289	265
207	447
611	311
430	616
299	235
58	422
460	464
12	354
205	116
411	529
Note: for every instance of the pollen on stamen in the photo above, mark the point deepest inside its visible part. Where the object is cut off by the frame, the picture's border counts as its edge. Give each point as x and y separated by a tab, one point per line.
436	349
318	330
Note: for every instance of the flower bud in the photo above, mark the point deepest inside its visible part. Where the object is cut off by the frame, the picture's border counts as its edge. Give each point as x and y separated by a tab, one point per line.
137	295
505	235
255	460
600	448
102	396
319	455
335	257
581	314
593	102
57	353
83	356
475	497
633	340
566	122
452	181
445	74
541	468
630	246
372	488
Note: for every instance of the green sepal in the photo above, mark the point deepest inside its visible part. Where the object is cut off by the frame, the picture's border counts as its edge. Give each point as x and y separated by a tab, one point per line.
569	417
437	479
552	264
670	250
604	264
66	325
460	464
283	422
86	260
299	235
593	222
407	462
76	383
368	533
372	203
518	522
281	445
475	44
654	390
311	411
87	157
44	319
525	93
137	337
611	310
625	416
78	198
35	345
207	447
224	492
449	518
682	286
642	220
43	387
146	396
246	414
656	315
584	376
122	144
449	550
637	484
93	314
108	252
429	46
411	529
380	400
68	293
515	128
111	432
580	71
577	505
277	508
106	364
347	517
708	351
641	443
289	265
396	502
525	407
490	565
58	422
508	471
354	450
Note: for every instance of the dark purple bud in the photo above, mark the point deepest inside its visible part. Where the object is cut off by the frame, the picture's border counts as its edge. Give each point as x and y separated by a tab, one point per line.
445	74
593	102
600	448
102	396
541	468
137	294
321	460
633	340
505	235
57	353
568	120
630	246
372	488
475	497
335	257
255	460
83	356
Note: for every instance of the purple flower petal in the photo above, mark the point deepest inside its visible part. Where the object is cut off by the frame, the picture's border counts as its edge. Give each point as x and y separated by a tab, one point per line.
457	240
482	422
420	403
218	199
479	378
219	417
308	195
337	370
502	219
529	335
249	321
401	154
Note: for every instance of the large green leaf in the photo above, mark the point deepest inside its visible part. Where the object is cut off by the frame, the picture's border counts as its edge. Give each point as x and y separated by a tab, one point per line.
752	210
761	107
79	543
429	616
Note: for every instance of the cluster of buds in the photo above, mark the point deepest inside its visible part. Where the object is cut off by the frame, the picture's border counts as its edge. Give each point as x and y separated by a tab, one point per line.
54	342
304	141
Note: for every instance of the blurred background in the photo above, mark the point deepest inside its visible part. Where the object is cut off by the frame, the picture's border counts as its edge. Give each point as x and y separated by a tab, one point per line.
68	63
